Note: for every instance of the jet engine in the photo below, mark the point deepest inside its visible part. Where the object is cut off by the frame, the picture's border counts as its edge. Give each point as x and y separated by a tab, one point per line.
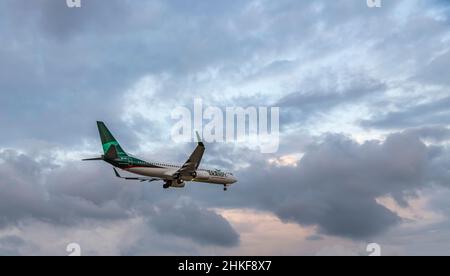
177	183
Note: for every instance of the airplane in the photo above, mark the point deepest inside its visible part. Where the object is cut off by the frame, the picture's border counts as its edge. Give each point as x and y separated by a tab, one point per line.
173	176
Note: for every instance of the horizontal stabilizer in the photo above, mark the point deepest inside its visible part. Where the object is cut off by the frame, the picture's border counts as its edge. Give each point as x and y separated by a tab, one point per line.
93	159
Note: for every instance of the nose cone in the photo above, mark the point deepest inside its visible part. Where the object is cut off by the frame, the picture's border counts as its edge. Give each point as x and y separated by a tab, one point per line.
233	179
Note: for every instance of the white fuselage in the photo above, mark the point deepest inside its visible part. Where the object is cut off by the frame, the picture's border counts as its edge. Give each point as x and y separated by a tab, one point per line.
207	176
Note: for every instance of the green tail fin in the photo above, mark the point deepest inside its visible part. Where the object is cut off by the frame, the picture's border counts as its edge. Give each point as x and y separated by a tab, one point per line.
111	147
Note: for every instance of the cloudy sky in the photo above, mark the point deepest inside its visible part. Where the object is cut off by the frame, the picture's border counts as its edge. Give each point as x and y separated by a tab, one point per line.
364	97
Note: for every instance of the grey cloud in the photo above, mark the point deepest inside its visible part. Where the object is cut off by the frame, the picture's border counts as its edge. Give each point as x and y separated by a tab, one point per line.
337	182
25	195
313	99
63	69
436	72
432	133
430	234
314	238
426	72
58	21
321	96
416	115
439	166
111	46
201	225
74	194
9	245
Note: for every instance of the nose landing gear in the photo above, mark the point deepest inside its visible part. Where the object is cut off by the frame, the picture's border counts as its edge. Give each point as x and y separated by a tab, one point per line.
225	188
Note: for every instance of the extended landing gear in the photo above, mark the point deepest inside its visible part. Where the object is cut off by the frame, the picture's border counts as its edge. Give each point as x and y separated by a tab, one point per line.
225	188
166	185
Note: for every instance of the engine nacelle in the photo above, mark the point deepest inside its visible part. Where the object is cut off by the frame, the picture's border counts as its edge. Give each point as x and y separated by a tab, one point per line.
177	183
201	175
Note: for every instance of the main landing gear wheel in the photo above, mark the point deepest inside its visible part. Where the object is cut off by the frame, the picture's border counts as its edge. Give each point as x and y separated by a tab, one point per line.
225	188
166	186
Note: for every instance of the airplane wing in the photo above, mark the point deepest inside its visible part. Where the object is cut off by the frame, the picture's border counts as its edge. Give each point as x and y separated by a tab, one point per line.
191	165
142	179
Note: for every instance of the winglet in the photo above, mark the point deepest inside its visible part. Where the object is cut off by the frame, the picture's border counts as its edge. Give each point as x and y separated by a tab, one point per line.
199	139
